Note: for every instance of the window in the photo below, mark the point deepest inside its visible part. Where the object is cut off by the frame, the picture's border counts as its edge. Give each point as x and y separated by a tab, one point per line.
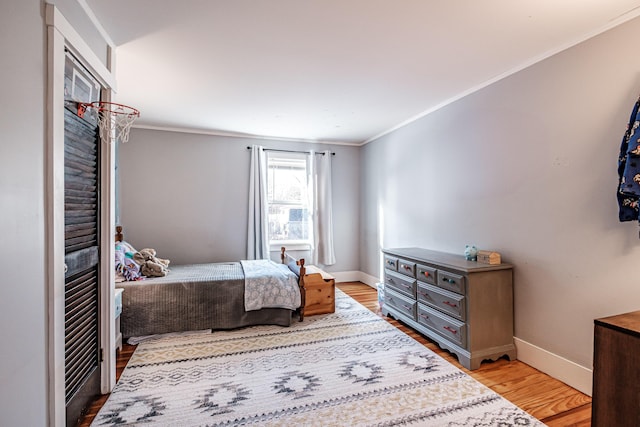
288	198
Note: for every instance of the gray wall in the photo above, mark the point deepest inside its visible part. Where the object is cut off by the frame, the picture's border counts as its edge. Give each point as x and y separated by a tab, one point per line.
24	396
186	195
527	167
23	309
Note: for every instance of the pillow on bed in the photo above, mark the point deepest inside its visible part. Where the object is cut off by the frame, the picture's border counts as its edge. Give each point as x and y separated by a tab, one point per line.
294	267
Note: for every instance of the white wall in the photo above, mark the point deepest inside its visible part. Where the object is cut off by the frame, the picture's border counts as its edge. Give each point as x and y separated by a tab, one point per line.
186	195
527	167
23	375
76	15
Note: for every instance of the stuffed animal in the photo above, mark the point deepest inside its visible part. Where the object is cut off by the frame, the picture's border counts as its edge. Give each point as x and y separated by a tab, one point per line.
471	253
126	267
150	265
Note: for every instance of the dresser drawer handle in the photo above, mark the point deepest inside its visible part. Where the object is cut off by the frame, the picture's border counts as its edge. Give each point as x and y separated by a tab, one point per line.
453	331
426	273
446	279
425	295
407	307
450	304
424	316
406	267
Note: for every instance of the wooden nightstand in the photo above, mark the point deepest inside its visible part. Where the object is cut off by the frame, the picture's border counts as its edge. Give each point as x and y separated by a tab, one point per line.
118	311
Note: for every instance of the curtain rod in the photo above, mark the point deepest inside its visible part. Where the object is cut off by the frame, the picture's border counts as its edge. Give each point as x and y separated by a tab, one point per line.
290	151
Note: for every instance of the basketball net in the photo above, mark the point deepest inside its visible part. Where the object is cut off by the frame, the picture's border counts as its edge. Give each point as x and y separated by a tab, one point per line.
113	119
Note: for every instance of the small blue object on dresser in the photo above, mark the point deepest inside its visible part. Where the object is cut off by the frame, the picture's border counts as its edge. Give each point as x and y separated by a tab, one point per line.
471	252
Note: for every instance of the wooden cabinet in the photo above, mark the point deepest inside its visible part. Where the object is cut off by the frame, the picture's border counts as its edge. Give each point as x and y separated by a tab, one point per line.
464	306
320	292
616	371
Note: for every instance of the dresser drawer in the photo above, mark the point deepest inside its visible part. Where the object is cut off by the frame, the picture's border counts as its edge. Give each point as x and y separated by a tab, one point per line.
448	302
426	274
453	330
400	302
400	283
451	281
391	263
407	268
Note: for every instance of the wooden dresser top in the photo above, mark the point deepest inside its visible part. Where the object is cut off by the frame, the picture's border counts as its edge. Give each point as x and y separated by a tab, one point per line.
453	261
627	322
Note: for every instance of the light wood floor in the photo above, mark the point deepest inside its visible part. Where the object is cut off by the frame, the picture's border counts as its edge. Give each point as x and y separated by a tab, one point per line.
551	401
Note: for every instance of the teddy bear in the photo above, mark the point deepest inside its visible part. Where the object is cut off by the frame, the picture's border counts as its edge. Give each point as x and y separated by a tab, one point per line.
150	265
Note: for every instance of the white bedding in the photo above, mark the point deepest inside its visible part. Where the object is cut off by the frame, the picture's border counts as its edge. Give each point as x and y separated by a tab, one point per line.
269	285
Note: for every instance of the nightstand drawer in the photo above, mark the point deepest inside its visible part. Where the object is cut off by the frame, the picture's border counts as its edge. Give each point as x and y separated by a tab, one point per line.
453	330
118	301
400	283
400	303
445	301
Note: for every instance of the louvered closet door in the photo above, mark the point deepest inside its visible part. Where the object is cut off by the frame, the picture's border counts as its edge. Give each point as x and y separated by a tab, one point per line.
82	184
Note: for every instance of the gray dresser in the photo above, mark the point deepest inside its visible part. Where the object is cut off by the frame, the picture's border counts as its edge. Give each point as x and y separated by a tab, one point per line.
464	306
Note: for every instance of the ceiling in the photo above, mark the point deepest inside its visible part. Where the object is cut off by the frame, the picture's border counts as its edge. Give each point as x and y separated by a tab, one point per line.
343	71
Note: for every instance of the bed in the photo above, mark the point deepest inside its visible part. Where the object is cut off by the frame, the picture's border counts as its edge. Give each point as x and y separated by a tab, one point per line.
207	296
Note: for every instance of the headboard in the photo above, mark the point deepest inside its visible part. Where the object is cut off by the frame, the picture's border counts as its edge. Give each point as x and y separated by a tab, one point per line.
119	237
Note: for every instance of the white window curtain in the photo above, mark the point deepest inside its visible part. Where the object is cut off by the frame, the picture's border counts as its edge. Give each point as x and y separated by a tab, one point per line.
257	239
323	251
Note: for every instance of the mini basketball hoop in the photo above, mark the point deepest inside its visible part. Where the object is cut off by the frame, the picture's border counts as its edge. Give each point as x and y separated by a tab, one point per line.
112	117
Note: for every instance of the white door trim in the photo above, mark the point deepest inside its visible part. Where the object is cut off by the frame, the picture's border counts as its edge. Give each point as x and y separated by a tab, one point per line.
61	35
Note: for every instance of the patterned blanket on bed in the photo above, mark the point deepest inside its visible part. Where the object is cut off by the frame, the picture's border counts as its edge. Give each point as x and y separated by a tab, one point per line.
267	284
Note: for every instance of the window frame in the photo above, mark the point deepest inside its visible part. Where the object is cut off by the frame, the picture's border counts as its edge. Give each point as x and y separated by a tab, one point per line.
283	157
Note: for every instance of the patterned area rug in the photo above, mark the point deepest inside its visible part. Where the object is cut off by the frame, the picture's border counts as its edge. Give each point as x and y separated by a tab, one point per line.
349	368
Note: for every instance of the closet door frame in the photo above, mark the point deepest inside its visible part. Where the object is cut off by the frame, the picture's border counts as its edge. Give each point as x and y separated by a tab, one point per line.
60	36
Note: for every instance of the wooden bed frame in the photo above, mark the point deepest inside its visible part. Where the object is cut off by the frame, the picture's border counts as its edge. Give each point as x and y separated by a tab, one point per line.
303	291
317	289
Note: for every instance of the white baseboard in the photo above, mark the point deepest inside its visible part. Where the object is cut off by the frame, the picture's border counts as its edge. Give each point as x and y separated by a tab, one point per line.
355	276
558	367
369	280
346	276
